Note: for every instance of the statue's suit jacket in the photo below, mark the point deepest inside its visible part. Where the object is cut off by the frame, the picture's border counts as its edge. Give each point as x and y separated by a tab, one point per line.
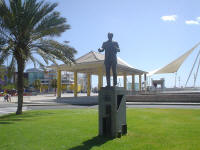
110	48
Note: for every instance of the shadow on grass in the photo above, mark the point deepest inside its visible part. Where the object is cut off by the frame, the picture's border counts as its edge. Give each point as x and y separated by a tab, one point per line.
27	116
9	121
5	122
95	141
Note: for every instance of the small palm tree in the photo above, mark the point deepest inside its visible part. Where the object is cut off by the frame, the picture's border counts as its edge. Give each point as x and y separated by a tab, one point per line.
37	84
54	85
25	26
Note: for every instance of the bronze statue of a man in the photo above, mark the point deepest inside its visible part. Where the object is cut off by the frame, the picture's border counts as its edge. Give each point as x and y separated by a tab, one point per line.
111	48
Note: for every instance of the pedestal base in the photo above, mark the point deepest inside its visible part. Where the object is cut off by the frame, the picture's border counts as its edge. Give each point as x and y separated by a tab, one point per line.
112	112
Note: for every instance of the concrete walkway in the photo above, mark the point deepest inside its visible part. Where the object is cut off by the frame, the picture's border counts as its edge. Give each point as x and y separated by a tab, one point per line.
8	110
49	101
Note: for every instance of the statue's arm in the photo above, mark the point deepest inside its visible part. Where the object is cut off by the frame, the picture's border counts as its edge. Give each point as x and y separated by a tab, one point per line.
101	49
117	47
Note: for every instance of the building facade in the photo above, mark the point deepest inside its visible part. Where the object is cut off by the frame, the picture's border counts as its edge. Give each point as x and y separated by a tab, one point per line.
34	74
48	75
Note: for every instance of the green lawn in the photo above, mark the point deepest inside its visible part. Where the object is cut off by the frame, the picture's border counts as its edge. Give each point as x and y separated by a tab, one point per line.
77	129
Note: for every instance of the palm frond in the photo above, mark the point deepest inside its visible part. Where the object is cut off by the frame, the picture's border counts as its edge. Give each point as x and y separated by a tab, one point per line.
51	25
41	9
36	62
46	57
33	60
57	50
4	53
12	68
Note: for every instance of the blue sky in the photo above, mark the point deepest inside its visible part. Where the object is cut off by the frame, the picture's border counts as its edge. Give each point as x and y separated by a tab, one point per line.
147	39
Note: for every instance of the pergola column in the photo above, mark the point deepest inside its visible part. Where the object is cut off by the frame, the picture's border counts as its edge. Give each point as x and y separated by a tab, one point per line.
125	81
75	84
100	79
88	84
133	82
140	82
58	83
145	81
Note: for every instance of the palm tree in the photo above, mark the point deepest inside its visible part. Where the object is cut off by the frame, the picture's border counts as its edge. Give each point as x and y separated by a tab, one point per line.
25	26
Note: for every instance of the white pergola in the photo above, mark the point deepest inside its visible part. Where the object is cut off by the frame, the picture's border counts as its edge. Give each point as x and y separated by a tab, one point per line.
92	63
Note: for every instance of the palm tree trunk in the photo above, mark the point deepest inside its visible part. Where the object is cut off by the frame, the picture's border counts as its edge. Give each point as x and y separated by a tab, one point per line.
20	86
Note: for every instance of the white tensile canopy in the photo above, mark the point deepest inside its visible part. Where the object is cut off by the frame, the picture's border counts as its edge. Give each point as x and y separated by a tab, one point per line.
174	65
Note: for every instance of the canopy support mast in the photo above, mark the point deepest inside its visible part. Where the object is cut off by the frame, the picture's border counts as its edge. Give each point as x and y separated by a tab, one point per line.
192	68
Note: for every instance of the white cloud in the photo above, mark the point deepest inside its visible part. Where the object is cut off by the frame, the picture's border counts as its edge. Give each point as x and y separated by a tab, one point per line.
198	18
169	18
192	22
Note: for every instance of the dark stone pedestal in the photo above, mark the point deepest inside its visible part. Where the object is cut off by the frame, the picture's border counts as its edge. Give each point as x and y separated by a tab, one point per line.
112	112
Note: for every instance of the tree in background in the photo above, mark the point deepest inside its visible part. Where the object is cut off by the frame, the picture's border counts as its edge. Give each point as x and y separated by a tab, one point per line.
25	26
54	85
2	72
37	84
9	86
26	83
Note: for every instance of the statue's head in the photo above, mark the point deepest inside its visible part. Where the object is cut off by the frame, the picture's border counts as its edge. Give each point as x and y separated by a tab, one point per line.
110	36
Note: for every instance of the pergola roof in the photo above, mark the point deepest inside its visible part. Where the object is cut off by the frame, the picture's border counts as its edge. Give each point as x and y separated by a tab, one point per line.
92	62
